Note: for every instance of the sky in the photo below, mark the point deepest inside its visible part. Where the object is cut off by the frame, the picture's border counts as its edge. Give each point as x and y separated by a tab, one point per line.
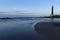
29	7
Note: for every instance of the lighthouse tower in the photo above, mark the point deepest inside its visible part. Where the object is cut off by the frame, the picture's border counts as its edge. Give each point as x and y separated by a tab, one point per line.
52	11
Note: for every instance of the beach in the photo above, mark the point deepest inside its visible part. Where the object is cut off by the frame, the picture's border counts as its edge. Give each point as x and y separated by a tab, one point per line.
49	29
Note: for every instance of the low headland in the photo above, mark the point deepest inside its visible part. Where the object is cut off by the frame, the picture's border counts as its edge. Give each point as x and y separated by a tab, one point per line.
6	18
54	16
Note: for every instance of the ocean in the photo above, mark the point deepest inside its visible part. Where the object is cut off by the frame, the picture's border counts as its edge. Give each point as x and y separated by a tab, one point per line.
22	29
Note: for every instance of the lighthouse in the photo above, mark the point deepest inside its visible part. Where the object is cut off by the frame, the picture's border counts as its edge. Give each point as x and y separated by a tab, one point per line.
52	11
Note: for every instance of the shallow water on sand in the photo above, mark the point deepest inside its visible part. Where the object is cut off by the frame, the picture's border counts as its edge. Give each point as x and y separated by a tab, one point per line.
21	29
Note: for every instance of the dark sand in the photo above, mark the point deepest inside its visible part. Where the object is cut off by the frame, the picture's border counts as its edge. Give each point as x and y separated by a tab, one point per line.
49	29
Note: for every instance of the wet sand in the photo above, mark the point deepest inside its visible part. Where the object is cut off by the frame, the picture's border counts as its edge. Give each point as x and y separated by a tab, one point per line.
49	29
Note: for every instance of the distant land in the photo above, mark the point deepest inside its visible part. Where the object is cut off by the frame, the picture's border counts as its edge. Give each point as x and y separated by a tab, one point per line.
6	18
55	16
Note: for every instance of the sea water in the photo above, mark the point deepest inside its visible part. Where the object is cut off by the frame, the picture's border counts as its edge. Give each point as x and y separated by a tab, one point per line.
21	29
